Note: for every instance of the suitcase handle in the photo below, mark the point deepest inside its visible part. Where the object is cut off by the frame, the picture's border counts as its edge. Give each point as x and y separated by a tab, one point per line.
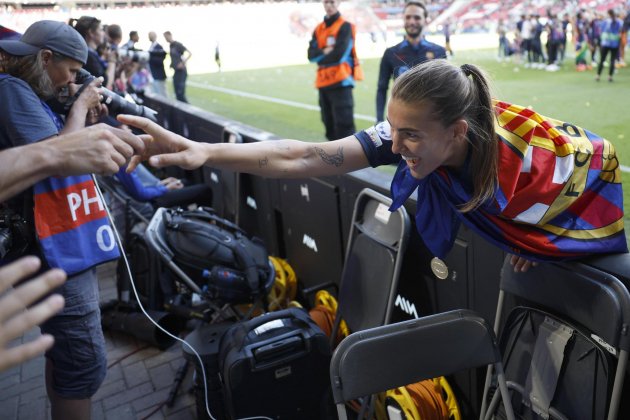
291	345
297	314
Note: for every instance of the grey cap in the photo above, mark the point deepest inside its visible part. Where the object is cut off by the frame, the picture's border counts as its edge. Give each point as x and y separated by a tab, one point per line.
56	36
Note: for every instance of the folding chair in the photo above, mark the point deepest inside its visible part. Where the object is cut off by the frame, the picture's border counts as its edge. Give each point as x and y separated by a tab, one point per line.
374	254
581	294
394	355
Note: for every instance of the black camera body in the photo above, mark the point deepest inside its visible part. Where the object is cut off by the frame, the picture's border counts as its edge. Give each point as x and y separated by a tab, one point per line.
115	103
14	233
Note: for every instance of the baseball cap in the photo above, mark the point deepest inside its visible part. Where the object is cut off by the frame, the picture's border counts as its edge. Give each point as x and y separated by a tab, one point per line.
56	36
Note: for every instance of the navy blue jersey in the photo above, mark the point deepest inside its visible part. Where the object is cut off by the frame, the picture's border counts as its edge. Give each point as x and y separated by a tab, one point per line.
377	144
397	60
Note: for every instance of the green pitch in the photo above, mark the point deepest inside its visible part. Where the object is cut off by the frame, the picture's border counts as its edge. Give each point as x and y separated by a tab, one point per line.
568	95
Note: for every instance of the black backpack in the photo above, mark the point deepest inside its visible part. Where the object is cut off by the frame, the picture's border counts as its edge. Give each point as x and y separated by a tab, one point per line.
218	255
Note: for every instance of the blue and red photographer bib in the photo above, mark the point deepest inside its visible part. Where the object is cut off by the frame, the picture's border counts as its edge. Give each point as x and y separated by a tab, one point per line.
71	222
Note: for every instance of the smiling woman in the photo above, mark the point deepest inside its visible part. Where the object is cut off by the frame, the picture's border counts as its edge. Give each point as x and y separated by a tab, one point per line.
539	188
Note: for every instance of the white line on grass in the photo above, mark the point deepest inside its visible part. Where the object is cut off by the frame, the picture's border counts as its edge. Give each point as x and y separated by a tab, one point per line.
270	99
292	103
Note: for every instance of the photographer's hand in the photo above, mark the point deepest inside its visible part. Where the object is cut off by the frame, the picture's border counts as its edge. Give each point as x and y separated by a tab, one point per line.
99	149
165	148
16	317
86	108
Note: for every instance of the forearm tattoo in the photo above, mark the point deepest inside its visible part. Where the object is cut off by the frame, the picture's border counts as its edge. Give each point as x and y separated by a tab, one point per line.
336	159
263	162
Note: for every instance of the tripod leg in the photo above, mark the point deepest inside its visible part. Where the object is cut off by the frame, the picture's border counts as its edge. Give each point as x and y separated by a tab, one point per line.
179	378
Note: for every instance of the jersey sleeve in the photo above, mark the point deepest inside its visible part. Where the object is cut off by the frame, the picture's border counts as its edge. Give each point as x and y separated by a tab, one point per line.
377	144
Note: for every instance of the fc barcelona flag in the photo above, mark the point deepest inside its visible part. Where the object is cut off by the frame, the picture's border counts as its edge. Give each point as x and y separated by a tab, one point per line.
72	225
559	194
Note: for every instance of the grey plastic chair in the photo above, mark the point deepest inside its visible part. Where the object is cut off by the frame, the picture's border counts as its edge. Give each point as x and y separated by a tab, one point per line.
581	294
386	357
374	254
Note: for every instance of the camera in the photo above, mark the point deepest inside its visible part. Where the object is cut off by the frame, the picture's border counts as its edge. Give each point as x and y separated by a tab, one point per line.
116	104
137	56
14	233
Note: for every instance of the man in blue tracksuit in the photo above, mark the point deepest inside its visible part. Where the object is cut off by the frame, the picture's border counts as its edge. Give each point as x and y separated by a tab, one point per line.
411	51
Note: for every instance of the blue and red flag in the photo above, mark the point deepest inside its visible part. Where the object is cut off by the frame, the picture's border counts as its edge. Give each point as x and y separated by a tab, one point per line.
72	225
559	194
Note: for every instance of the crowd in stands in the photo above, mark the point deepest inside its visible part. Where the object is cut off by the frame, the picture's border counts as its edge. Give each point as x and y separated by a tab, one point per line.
542	41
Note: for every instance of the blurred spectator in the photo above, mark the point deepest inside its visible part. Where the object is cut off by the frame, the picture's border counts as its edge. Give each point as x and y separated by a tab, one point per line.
413	50
131	44
99	65
114	36
217	57
595	35
611	35
157	54
538	58
179	56
447	37
332	48
503	41
555	36
581	41
527	39
566	21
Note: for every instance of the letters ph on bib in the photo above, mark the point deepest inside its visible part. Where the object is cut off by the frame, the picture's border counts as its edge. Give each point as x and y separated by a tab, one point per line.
83	201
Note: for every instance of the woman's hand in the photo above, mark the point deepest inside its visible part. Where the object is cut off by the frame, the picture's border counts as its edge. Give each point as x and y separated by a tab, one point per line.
163	147
521	264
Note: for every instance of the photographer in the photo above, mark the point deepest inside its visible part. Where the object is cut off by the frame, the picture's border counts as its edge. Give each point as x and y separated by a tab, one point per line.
66	213
101	149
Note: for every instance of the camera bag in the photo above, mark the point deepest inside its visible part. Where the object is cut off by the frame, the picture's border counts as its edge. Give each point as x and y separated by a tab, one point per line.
219	256
276	365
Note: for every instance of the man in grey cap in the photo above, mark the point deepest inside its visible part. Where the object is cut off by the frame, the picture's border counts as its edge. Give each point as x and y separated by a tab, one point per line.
39	66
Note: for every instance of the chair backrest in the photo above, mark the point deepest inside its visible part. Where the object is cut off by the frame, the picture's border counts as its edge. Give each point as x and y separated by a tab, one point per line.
394	355
389	356
582	294
374	254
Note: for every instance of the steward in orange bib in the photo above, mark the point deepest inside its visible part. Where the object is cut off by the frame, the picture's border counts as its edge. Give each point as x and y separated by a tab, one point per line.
332	48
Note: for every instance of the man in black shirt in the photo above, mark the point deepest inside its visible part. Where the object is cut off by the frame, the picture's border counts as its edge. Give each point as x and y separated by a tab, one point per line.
179	56
413	50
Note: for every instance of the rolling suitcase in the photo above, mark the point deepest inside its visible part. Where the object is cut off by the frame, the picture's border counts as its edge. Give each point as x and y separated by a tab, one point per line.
276	365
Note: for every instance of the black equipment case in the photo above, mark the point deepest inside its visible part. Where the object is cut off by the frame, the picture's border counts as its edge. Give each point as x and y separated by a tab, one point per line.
276	365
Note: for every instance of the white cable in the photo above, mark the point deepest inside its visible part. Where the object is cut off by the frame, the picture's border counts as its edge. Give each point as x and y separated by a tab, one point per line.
135	292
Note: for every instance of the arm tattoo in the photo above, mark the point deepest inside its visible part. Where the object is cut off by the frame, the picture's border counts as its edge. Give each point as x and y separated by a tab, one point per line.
336	159
263	162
